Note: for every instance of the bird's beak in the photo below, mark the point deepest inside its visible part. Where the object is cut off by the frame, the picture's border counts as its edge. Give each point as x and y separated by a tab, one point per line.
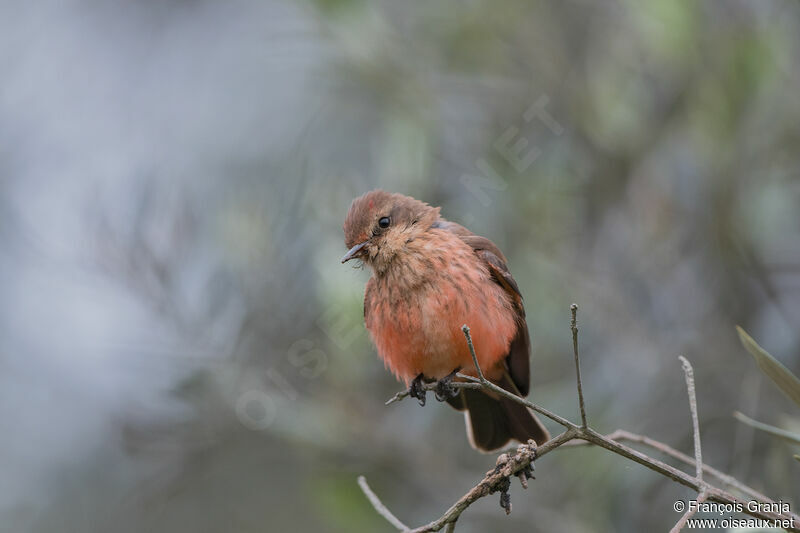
354	251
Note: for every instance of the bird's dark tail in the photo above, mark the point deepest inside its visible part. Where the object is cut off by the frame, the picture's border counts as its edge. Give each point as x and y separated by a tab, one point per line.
494	420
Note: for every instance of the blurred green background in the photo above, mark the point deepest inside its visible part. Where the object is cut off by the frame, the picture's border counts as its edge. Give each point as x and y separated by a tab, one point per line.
180	349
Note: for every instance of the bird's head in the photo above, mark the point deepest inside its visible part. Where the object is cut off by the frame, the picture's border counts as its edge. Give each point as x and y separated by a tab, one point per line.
379	225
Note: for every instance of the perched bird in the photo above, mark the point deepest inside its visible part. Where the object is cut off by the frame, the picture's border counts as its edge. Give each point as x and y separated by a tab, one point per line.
429	277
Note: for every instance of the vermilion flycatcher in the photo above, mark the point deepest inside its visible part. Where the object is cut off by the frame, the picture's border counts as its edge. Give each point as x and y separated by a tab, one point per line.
431	276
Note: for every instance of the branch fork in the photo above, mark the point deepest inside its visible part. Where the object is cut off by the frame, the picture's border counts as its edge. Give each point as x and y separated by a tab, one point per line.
520	464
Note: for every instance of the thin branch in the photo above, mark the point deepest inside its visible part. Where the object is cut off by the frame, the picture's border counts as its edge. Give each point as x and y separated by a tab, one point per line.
690	512
481	379
593	437
698	452
429	387
378	505
498	478
688	372
573	325
621	435
495	478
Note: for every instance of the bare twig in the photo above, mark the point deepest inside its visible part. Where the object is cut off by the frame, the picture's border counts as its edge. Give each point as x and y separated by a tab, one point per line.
429	387
511	465
690	512
593	437
494	478
688	372
621	435
378	505
698	452
573	325
482	379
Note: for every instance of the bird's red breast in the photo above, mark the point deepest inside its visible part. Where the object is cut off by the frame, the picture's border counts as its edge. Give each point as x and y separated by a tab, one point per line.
415	311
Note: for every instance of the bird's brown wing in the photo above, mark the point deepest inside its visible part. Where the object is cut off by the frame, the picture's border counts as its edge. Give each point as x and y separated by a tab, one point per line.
518	358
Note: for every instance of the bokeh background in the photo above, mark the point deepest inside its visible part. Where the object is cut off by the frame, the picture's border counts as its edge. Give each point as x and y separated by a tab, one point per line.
180	349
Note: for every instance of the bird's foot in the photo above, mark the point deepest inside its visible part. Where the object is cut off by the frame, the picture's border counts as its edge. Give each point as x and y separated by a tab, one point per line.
524	473
417	390
527	473
504	484
444	387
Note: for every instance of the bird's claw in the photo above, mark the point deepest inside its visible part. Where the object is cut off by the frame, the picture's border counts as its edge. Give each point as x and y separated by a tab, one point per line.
444	387
505	498
416	390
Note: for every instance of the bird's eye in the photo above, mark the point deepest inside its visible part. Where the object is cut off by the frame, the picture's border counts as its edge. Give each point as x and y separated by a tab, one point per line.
384	222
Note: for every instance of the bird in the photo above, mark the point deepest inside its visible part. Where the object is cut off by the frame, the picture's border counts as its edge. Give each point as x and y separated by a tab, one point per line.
431	276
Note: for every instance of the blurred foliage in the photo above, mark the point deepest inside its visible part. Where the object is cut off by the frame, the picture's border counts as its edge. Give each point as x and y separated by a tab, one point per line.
781	376
772	368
